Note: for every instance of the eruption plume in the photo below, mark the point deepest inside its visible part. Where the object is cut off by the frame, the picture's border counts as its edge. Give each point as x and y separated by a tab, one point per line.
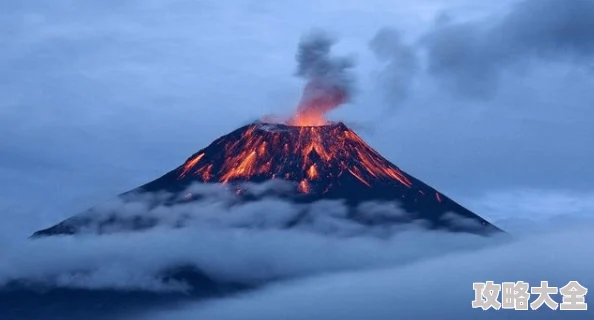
329	81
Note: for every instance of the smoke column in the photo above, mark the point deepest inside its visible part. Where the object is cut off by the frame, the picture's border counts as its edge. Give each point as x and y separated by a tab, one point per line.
329	82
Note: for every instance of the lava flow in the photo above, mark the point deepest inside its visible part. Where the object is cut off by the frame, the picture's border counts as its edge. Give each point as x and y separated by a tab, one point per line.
312	156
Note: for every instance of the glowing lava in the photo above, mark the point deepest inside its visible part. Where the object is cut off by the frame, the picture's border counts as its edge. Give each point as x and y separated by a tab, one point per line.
318	99
315	157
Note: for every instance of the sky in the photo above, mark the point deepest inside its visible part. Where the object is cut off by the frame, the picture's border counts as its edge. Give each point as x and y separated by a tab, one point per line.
489	102
100	98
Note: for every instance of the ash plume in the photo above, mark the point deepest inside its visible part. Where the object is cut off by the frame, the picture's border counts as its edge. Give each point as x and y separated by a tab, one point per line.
329	81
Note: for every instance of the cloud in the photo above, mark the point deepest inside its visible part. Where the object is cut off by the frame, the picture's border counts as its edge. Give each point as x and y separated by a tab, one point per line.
534	204
493	90
470	56
401	63
125	244
137	261
429	289
260	206
252	245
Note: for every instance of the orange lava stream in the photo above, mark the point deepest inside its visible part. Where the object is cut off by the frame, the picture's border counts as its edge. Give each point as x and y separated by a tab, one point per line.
304	186
358	176
190	164
312	173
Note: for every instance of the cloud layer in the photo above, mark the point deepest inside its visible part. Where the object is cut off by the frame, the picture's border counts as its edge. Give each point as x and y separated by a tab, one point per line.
429	289
248	243
470	56
326	267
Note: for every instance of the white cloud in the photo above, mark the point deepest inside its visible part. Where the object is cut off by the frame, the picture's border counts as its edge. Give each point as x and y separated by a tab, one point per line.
526	210
247	243
439	288
250	244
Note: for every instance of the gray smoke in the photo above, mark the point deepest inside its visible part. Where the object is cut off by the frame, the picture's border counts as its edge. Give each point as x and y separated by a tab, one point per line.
470	57
401	63
322	70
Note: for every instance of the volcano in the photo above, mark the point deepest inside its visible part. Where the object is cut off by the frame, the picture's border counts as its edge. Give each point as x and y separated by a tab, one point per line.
321	162
320	159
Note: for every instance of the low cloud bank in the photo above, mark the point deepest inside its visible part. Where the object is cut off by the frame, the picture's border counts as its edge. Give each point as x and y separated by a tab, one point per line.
324	267
439	288
253	243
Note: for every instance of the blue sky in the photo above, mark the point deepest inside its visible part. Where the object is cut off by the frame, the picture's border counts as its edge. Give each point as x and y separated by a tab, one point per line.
97	98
